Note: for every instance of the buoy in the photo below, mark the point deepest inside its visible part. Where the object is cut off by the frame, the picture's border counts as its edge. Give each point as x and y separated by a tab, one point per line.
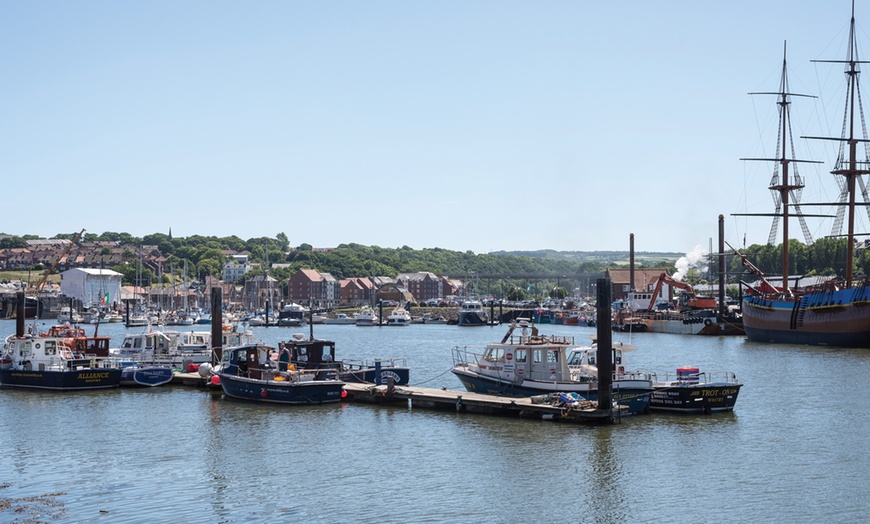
343	394
264	393
215	380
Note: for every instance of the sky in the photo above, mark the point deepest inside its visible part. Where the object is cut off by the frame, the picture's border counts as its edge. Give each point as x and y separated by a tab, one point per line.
465	125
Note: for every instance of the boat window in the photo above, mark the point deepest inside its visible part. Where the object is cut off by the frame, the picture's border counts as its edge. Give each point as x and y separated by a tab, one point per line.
537	356
521	355
495	355
592	356
617	356
575	358
552	356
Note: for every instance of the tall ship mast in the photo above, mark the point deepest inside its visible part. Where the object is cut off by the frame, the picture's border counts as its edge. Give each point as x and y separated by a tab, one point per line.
834	313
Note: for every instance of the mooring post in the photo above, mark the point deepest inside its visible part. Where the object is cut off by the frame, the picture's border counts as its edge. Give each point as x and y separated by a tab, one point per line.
217	325
605	345
19	313
723	306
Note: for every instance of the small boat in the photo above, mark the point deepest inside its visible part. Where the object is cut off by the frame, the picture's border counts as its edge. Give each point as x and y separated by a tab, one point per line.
427	318
247	372
51	362
340	319
530	364
399	317
66	314
144	375
693	391
471	313
317	354
293	315
367	317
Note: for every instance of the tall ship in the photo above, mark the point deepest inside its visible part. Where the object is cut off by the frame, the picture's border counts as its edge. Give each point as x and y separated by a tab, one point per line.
836	312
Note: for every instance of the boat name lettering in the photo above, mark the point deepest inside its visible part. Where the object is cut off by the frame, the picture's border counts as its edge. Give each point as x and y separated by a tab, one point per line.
93	376
390	375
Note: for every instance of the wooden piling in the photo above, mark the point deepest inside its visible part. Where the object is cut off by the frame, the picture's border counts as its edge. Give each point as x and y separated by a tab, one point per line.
605	343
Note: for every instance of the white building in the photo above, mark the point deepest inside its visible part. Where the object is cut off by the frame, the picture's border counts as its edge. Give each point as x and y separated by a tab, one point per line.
93	287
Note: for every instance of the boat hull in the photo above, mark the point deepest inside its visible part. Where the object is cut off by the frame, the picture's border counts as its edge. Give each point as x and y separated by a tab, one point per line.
695	398
835	318
635	394
146	376
81	379
400	376
282	392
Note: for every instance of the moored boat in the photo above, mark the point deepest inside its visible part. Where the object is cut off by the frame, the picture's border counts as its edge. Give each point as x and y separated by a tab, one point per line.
529	364
836	313
399	317
248	373
693	391
319	355
340	319
367	317
134	374
53	363
471	313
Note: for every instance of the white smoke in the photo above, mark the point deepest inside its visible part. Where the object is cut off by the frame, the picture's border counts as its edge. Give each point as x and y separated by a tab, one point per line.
693	258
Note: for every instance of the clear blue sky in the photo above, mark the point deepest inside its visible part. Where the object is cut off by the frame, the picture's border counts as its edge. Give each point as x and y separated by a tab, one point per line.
466	125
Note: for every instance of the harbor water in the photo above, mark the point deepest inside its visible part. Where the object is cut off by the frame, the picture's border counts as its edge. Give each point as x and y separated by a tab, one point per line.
794	449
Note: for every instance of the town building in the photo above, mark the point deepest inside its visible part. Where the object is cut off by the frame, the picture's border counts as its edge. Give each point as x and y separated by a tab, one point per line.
93	287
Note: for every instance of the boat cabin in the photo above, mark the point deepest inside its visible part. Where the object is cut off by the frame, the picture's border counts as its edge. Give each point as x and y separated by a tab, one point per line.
301	353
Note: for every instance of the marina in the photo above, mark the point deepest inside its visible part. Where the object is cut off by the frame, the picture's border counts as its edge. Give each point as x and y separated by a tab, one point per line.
816	415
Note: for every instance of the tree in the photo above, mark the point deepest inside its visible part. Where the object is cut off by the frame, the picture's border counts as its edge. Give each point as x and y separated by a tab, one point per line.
558	293
515	294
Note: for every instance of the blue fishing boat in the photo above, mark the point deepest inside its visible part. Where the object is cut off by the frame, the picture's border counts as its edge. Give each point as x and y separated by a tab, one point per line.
251	372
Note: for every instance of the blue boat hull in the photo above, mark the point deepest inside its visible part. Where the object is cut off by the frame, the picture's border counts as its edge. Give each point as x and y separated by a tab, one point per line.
308	392
82	379
400	376
637	399
146	376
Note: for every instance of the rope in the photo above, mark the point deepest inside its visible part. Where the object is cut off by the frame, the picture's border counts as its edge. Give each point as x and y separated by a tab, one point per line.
433	378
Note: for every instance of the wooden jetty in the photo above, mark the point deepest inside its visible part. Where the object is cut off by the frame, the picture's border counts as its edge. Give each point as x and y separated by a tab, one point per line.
467	402
453	400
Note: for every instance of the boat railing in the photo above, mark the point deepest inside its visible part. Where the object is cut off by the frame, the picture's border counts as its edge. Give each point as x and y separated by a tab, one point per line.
533	340
703	377
463	357
360	364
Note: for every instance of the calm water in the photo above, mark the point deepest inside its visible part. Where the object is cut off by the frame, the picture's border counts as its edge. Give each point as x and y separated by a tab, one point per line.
794	450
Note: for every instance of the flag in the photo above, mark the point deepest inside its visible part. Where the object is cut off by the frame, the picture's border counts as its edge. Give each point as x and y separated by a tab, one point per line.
106	299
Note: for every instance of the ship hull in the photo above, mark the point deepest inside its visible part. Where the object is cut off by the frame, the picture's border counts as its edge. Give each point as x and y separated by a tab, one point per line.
834	318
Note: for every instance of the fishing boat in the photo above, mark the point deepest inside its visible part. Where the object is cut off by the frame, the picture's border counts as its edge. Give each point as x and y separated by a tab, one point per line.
529	364
836	313
247	372
53	363
691	391
471	313
316	354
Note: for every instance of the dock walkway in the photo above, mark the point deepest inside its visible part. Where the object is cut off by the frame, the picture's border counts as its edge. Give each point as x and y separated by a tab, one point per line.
452	400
